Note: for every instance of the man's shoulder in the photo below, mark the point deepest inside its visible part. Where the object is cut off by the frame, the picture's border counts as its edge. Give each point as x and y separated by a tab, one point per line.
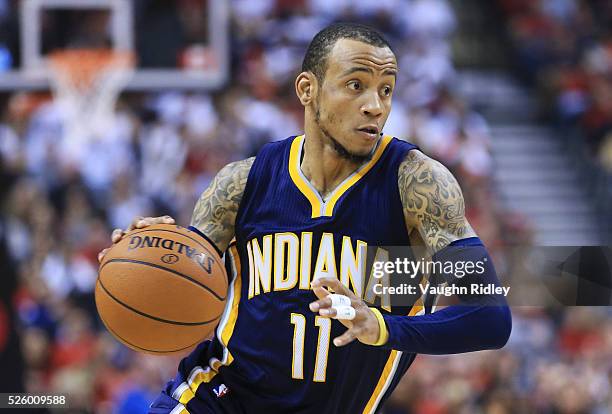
417	161
238	172
275	148
238	167
429	190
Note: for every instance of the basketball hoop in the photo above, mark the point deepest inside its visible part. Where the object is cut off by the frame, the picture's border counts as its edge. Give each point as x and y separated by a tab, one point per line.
86	84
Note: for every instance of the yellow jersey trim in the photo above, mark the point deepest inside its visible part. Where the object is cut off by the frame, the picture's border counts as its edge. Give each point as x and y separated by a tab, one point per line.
391	366
299	181
228	330
186	391
356	176
179	409
382	385
322	208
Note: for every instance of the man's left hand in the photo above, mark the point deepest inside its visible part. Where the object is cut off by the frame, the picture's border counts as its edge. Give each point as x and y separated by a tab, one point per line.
363	327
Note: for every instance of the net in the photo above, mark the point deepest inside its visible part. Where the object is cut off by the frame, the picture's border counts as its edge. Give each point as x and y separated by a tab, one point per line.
86	84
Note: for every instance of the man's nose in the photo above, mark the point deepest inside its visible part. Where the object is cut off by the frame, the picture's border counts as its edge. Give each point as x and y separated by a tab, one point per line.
373	107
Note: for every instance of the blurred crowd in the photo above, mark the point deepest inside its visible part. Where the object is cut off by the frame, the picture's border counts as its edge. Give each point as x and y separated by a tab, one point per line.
61	198
564	47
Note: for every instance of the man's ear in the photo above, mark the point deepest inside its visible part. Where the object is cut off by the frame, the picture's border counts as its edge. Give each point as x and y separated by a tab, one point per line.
306	88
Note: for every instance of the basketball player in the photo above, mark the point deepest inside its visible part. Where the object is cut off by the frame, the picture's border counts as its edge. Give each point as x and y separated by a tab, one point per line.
299	212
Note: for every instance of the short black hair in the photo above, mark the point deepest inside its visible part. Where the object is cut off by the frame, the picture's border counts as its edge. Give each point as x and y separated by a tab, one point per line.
315	60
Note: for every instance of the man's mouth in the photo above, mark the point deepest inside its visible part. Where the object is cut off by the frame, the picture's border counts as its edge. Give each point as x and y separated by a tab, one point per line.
370	130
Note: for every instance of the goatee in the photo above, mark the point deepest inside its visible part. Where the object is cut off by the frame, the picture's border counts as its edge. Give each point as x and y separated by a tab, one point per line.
340	149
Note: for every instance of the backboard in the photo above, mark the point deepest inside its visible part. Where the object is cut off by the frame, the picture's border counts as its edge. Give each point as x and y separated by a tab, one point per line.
178	44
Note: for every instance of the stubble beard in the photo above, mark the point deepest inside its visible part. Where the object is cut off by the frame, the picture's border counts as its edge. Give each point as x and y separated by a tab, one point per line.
340	149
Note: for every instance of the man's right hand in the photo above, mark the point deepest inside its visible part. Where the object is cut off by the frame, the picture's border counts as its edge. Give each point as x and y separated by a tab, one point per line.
137	223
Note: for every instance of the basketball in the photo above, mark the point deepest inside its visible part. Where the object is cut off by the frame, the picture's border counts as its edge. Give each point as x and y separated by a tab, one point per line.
161	289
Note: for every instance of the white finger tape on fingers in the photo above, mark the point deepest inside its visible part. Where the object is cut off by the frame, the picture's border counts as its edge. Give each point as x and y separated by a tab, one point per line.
345	312
339	300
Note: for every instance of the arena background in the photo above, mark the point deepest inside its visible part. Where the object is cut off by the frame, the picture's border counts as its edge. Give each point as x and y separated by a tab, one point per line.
515	96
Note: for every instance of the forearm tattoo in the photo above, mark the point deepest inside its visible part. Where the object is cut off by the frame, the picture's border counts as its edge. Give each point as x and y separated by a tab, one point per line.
216	210
432	201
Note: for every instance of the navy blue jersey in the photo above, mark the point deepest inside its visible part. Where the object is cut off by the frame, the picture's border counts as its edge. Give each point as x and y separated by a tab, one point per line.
271	351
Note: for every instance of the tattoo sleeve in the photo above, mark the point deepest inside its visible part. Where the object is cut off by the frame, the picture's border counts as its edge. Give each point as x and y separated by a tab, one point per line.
432	201
215	212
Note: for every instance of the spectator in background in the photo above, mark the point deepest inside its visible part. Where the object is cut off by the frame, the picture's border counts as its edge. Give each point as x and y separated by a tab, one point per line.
564	48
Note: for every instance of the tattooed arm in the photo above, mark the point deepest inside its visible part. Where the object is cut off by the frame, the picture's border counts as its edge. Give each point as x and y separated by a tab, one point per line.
432	201
215	212
434	207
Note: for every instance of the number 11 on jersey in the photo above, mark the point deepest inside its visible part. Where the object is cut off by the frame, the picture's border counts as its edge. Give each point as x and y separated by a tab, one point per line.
299	334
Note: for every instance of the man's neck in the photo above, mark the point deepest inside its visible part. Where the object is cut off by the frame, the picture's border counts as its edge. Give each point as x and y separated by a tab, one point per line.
323	166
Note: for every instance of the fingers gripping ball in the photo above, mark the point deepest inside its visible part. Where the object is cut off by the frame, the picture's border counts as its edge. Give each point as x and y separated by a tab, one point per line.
161	289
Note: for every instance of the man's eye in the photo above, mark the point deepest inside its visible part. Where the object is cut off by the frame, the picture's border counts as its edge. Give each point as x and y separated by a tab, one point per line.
386	91
354	85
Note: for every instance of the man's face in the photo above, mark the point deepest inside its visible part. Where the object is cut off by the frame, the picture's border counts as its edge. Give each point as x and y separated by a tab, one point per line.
354	100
